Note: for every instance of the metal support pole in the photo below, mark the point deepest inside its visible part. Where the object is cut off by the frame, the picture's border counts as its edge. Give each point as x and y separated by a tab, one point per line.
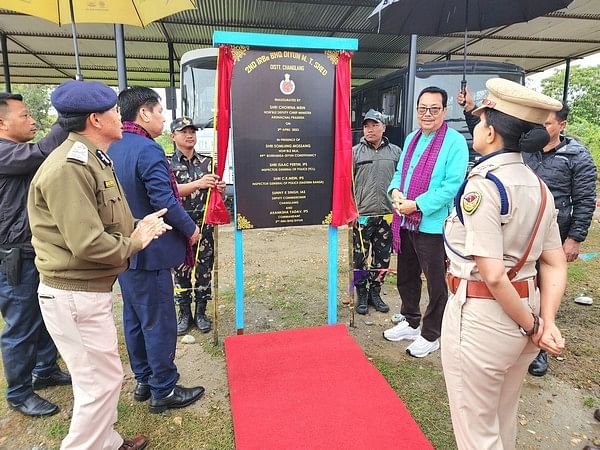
566	83
410	95
332	276
3	42
120	50
351	273
172	77
215	281
78	74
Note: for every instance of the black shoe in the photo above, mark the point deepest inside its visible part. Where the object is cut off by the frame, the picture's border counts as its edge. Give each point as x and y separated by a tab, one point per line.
362	299
179	398
141	392
539	366
185	321
57	378
375	299
203	323
35	406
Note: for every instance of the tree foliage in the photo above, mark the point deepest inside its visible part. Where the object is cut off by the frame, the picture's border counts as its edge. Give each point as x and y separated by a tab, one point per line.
37	98
165	141
583	94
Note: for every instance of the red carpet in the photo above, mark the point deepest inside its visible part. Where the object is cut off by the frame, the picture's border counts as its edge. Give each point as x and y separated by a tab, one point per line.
313	388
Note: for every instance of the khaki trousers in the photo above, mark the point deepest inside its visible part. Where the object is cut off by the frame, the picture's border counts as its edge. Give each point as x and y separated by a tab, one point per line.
485	359
82	327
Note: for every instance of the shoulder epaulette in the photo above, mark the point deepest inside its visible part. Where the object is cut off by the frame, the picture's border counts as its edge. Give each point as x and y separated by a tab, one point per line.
78	153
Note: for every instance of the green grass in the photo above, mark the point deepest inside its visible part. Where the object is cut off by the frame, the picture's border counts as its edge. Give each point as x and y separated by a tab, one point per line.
57	430
590	402
576	273
423	391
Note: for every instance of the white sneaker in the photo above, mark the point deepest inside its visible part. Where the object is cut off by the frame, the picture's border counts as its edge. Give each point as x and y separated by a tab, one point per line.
421	347
402	331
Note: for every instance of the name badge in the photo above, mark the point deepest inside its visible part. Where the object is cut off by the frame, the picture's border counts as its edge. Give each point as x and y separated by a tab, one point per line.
109	184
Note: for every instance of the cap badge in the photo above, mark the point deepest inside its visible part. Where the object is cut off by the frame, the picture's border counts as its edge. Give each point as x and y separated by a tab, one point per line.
470	202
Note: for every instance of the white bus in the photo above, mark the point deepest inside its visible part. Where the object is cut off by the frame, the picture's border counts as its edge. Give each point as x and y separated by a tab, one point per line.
198	95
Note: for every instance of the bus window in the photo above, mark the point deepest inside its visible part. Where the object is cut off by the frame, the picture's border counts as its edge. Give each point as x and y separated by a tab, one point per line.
198	91
389	106
354	112
370	100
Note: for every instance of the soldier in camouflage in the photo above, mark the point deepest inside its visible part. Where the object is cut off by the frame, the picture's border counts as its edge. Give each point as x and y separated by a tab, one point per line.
194	176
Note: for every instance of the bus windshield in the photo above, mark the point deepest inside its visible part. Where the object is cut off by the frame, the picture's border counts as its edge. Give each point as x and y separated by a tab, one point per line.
198	90
451	84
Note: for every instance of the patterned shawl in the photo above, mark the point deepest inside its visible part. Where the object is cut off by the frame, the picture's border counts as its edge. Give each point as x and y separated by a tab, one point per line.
419	180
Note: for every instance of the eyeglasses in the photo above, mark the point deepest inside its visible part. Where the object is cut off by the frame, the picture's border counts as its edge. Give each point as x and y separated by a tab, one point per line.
433	110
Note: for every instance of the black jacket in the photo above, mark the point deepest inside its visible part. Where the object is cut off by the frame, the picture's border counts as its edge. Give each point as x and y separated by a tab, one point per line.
570	174
18	164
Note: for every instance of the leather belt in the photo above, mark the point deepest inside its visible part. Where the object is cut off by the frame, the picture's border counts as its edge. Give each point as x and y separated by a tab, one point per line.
478	289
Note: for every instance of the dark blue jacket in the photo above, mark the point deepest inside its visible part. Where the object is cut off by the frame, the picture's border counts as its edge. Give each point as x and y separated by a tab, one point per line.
570	173
142	169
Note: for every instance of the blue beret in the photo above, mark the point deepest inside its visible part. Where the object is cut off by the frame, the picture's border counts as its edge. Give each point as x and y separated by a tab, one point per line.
81	97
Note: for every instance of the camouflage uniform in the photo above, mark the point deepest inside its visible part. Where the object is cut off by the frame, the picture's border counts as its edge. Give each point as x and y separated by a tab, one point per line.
186	171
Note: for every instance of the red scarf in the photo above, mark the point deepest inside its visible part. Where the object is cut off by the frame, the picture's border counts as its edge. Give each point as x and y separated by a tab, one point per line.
134	128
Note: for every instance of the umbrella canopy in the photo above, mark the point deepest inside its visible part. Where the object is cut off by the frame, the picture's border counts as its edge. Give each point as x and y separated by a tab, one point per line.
128	12
437	17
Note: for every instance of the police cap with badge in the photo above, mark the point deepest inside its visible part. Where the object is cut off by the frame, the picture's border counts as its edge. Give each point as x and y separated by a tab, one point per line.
522	103
76	98
182	122
518	101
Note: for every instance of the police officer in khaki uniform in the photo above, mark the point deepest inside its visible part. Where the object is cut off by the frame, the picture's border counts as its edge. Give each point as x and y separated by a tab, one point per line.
83	236
496	317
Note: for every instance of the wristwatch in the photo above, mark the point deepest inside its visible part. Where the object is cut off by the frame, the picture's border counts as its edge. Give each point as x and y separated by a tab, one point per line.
534	330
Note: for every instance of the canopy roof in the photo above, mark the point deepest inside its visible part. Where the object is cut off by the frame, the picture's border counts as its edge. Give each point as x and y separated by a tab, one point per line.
42	52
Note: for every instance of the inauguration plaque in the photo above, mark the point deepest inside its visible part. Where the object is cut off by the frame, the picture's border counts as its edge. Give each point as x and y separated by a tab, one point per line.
283	137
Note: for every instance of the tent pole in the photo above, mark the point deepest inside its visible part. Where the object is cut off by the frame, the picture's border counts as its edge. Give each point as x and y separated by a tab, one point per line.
5	65
566	82
78	74
410	95
120	50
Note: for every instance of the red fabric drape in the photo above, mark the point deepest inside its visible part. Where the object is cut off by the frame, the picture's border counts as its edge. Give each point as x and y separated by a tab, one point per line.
343	207
216	213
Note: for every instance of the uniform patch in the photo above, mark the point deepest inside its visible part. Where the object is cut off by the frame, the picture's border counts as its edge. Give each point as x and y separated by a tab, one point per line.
78	152
470	202
109	183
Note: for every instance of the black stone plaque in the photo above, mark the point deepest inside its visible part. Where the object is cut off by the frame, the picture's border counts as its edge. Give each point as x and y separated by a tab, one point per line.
283	142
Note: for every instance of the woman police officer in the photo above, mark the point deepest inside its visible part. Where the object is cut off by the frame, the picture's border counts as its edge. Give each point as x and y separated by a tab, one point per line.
496	316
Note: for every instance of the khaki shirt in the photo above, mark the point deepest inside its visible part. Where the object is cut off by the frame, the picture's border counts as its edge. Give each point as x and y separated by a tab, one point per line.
487	233
80	219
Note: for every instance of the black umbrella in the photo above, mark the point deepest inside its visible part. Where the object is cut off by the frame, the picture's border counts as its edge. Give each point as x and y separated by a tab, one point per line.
438	17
